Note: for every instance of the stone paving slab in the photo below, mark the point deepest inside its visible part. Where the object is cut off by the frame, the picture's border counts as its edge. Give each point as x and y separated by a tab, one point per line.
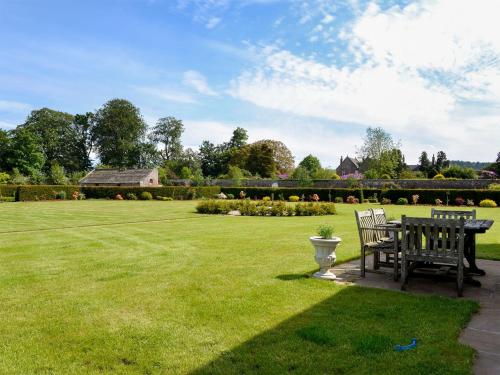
482	332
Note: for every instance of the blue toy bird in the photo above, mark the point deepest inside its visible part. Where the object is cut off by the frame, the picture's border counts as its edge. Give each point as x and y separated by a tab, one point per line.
401	348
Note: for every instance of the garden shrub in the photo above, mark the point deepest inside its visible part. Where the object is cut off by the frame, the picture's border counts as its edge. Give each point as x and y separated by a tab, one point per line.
294	198
487	203
260	208
60	195
266	199
339	200
402	201
44	192
494	186
160	198
146	196
131	196
386	201
230	196
439	176
459	201
470	202
175	192
352	199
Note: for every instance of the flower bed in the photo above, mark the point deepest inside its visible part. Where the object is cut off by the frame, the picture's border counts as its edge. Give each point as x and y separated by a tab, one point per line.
261	208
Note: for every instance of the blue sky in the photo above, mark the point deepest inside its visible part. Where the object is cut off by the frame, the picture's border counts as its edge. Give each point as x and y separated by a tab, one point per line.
311	73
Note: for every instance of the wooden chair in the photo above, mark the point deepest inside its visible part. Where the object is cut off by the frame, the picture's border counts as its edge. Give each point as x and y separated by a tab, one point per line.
430	240
371	240
453	214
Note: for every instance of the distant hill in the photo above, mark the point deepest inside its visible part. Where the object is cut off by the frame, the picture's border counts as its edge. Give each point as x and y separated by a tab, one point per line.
476	165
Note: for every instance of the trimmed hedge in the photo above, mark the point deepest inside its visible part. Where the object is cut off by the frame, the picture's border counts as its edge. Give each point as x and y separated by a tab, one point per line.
426	196
8	190
429	196
43	192
174	192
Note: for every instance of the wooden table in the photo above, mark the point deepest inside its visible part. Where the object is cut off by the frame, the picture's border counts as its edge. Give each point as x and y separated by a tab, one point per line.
471	228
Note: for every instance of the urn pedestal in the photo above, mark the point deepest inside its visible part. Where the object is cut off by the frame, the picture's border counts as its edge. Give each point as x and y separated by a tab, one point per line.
325	256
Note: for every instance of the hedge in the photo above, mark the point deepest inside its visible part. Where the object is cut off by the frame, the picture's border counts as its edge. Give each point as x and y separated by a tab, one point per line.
324	194
8	190
43	192
429	196
426	196
48	192
175	192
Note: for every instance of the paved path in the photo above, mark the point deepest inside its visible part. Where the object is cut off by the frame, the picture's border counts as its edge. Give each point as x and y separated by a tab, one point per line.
483	331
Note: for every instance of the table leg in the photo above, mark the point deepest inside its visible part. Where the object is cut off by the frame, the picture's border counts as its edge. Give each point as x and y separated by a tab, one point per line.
471	256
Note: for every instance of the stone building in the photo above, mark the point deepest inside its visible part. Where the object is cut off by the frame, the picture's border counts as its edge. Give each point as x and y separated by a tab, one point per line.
123	177
347	166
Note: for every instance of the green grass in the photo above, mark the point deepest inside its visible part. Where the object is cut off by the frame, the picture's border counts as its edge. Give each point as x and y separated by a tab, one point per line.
152	288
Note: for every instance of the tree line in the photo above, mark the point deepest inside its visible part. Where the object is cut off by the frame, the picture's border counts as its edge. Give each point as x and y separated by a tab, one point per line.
58	148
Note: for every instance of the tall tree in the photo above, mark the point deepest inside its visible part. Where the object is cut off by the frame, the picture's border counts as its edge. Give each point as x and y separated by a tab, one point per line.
441	161
424	164
239	138
282	156
118	131
83	126
4	149
311	164
261	160
56	136
377	151
168	131
25	153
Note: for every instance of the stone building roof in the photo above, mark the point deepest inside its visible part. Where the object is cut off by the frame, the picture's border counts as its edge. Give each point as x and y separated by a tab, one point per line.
116	176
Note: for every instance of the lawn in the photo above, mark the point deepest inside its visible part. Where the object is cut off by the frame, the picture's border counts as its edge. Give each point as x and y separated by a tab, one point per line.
153	287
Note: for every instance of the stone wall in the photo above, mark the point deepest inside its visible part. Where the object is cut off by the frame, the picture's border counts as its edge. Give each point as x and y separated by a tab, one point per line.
404	184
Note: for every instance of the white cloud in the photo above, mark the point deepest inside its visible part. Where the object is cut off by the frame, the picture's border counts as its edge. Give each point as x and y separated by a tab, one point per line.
212	22
12	106
198	81
166	94
425	72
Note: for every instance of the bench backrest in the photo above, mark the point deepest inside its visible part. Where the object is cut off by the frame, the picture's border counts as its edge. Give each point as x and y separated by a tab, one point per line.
364	219
428	239
453	214
378	219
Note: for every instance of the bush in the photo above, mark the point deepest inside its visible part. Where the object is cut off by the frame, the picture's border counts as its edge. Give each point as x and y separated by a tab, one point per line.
230	196
335	176
260	208
294	198
146	196
459	201
160	198
325	231
60	195
266	199
386	201
339	200
131	196
438	202
456	171
487	203
118	197
352	199
494	186
439	176
402	201
385	176
470	202
175	192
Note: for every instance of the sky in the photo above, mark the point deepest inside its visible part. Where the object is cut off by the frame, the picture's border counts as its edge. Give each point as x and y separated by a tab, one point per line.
311	73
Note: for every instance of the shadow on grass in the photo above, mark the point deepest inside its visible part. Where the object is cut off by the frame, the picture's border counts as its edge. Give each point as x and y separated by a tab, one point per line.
294	276
354	332
489	251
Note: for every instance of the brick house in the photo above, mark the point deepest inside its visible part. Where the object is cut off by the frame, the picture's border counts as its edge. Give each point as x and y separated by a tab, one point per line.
124	177
347	166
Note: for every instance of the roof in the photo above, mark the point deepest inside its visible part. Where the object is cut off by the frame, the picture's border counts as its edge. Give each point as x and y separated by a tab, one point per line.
116	176
353	160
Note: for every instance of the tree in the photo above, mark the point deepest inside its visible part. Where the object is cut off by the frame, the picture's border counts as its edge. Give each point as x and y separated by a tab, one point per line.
261	160
118	131
378	152
301	174
57	175
282	156
59	139
186	173
4	149
424	163
83	126
239	138
456	171
325	174
168	131
311	164
212	159
441	161
25	153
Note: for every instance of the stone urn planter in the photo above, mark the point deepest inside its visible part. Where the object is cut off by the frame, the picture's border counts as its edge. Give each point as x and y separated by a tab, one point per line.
325	256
